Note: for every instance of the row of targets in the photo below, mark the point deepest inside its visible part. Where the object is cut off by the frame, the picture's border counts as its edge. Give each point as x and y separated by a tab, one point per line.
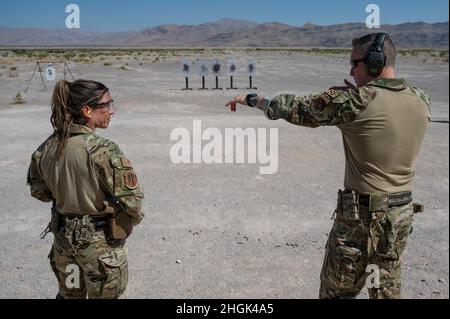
217	70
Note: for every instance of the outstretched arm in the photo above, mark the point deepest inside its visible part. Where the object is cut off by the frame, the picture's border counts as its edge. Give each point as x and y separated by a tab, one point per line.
331	107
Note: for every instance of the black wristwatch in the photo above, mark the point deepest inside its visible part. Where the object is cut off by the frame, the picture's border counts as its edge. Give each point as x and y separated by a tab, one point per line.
248	97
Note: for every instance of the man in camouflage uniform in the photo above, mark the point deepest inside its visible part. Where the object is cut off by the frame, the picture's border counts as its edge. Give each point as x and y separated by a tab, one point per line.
89	183
383	122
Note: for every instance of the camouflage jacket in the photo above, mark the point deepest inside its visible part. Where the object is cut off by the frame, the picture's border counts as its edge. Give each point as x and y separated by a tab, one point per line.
90	171
331	107
383	125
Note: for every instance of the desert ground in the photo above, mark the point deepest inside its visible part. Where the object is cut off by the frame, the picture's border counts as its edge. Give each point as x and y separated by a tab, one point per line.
216	230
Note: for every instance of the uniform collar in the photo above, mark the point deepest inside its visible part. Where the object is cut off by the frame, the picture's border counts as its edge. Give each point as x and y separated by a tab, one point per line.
393	84
80	129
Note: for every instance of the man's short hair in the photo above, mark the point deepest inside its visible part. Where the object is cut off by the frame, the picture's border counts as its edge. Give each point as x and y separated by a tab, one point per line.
363	44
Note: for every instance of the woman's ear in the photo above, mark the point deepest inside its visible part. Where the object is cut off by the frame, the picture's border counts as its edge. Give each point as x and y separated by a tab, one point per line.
86	111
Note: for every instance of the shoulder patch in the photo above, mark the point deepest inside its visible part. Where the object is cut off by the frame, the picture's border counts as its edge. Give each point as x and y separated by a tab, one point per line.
116	161
325	99
328	96
126	162
130	179
333	93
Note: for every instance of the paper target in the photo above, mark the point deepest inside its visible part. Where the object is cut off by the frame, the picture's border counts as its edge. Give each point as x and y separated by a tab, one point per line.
251	67
232	68
186	66
216	67
203	68
50	72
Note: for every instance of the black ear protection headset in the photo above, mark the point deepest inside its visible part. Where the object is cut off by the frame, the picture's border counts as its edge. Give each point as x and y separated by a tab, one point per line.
375	59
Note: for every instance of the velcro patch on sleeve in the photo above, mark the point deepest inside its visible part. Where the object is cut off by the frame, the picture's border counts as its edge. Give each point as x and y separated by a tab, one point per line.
333	93
126	162
325	99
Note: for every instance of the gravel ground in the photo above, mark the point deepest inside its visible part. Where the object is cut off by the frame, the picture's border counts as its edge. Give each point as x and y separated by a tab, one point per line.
220	230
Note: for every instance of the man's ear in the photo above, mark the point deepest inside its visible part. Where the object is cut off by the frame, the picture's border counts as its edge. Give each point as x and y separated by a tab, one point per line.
86	111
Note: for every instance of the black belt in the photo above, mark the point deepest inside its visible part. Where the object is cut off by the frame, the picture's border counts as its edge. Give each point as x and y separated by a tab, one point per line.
397	199
100	223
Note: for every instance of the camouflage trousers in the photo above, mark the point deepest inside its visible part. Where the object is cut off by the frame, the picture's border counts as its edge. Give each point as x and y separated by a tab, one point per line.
86	265
365	248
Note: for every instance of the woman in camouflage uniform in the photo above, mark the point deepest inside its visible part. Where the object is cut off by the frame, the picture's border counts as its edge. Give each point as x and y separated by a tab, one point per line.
95	192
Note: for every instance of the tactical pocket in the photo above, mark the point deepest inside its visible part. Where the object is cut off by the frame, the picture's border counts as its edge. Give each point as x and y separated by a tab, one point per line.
341	266
390	232
114	267
118	226
347	208
401	221
384	237
349	258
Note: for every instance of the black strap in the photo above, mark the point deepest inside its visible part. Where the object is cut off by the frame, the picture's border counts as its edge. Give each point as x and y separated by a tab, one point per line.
100	223
397	199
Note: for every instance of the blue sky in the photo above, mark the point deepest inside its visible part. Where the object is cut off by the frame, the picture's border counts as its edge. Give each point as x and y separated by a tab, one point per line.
116	15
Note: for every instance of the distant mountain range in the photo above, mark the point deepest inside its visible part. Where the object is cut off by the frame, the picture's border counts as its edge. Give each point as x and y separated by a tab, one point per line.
230	33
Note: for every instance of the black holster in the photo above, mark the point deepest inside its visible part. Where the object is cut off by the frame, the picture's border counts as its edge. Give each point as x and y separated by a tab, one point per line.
55	220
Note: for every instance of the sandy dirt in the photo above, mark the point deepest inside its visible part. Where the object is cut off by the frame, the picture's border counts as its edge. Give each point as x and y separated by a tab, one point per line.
235	233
